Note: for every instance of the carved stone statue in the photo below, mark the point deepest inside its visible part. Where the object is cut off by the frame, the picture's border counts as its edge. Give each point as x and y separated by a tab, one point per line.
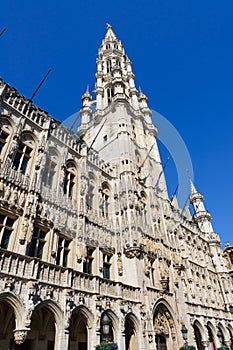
7	193
20	336
1	188
22	199
119	264
81	250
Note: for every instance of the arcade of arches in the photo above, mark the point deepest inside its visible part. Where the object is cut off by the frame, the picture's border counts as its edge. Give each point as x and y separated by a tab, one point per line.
45	326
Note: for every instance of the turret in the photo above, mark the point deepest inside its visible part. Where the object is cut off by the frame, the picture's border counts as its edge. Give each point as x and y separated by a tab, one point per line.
86	110
201	216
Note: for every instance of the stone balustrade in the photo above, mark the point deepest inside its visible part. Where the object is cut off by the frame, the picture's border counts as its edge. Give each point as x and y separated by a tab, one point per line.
16	266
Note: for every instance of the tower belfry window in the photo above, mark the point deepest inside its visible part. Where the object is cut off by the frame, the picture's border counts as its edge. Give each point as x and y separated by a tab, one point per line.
110	94
109	66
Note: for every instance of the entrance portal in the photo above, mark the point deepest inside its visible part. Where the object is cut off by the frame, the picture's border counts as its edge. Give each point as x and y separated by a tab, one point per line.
161	342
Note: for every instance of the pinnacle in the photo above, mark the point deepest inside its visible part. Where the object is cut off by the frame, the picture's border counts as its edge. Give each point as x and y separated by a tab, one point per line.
192	188
110	35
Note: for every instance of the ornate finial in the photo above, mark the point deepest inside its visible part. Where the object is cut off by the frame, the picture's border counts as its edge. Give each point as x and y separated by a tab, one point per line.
87	89
108	26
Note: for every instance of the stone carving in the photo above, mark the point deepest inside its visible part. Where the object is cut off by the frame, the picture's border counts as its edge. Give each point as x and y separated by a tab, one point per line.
146	265
161	325
13	147
22	199
119	264
20	336
14	197
1	188
7	193
24	230
81	250
133	252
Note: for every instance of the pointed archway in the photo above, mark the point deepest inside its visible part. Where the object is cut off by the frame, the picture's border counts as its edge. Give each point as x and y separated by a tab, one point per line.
42	333
11	320
80	322
198	336
210	331
164	326
7	325
131	332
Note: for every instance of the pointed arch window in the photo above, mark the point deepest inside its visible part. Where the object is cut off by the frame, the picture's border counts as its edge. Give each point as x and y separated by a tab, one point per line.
109	66
3	139
110	94
5	132
70	180
118	62
23	154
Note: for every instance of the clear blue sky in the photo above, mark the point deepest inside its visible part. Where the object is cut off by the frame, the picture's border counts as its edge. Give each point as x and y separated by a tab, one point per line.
182	54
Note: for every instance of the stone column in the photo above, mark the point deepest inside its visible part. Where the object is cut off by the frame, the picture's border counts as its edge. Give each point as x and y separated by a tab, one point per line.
121	341
62	339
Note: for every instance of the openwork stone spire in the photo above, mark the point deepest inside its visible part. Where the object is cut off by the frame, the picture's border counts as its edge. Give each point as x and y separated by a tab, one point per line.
114	77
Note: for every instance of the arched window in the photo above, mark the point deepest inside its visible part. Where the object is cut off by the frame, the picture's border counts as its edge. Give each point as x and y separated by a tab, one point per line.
118	62
110	94
5	131
51	169
69	180
107	46
23	154
109	66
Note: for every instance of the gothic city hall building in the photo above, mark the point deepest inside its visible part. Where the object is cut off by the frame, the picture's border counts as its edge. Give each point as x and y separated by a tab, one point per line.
92	250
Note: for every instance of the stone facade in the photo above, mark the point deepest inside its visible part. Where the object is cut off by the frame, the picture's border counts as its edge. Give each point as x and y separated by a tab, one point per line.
85	232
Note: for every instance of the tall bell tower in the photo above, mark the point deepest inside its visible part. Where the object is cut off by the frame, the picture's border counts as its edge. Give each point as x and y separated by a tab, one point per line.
120	127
